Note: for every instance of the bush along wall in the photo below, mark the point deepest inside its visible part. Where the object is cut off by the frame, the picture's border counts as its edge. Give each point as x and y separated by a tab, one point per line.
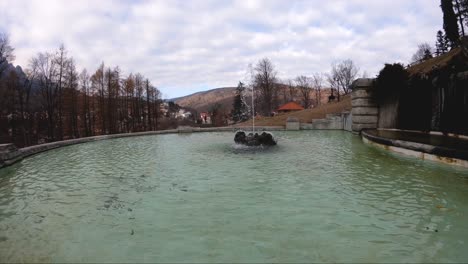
390	86
432	95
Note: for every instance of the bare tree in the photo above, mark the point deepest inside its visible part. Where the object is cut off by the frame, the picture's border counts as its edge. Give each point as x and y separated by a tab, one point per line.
87	97
317	85
292	90
264	83
148	88
155	98
98	84
10	86
67	104
46	70
61	61
6	52
423	53
112	83
129	89
24	98
71	88
342	76
138	98
303	83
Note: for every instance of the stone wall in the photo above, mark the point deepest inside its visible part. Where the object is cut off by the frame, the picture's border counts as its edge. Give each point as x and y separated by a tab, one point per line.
342	121
365	111
293	123
347	118
388	113
9	154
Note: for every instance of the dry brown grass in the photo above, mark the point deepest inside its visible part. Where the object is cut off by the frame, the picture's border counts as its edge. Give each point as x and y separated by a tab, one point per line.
305	116
435	63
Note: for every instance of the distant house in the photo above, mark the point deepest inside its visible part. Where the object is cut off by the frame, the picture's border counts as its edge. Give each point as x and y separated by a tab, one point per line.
205	117
290	107
183	114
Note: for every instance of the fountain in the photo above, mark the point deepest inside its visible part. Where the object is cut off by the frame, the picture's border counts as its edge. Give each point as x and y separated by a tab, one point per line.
253	138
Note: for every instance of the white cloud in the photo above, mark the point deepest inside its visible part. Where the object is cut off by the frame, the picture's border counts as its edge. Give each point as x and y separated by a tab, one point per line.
187	45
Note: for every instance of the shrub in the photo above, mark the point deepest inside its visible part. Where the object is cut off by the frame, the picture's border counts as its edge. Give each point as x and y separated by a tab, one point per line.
391	81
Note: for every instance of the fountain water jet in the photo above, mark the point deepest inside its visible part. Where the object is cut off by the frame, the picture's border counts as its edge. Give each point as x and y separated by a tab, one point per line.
254	139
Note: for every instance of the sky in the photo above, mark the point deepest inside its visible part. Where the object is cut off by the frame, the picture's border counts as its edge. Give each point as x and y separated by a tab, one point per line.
189	45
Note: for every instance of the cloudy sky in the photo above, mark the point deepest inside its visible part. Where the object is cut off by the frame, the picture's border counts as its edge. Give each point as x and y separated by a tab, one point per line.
188	45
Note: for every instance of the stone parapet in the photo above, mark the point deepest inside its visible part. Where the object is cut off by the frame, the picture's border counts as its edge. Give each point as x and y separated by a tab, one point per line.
9	154
359	127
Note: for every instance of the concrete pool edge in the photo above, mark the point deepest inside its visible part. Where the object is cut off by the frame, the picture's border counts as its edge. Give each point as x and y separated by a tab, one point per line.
10	155
414	149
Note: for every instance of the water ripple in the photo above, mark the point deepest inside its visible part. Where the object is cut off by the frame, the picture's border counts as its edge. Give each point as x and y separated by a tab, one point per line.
316	197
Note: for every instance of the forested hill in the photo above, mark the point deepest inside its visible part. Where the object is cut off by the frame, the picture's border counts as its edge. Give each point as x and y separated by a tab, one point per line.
202	101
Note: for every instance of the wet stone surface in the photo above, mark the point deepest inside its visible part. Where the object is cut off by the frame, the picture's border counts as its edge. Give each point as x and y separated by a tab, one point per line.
251	139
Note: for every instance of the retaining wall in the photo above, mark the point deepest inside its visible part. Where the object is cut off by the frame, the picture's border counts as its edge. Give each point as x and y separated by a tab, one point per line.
425	151
293	123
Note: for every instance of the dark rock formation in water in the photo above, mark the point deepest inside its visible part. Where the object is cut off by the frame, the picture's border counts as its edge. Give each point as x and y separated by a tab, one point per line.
251	139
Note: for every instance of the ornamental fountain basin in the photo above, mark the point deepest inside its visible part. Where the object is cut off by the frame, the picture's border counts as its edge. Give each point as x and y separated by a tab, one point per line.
319	196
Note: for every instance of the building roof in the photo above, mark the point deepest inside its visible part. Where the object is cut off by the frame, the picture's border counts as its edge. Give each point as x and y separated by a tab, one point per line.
290	107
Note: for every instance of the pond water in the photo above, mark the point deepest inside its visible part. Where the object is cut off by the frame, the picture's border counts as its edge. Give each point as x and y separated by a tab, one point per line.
316	197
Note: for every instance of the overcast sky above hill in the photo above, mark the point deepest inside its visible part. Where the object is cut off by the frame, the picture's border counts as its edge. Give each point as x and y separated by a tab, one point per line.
187	46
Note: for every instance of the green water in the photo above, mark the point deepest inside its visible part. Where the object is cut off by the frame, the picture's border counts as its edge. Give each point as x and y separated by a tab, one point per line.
317	197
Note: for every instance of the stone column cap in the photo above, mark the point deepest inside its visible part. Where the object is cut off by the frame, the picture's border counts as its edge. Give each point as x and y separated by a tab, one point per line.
363	83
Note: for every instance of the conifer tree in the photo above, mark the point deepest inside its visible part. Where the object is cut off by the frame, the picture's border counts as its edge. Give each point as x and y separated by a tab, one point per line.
240	111
450	23
442	45
423	53
464	11
460	15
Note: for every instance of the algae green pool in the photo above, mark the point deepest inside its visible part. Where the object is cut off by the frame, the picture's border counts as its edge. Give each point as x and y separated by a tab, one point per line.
317	197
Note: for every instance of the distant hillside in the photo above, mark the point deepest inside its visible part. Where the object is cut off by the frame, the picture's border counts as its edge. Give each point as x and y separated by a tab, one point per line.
305	116
202	101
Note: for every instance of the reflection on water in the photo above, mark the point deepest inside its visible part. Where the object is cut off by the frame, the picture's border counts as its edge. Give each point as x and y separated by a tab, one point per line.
316	197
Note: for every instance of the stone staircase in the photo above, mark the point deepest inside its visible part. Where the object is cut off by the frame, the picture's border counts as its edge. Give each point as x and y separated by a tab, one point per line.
340	121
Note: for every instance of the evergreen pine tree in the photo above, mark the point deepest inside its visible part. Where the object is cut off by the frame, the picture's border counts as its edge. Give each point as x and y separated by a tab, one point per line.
459	13
450	23
240	111
464	11
427	55
442	45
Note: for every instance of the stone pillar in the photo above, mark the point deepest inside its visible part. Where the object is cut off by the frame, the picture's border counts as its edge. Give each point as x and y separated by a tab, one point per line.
9	154
365	111
292	123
